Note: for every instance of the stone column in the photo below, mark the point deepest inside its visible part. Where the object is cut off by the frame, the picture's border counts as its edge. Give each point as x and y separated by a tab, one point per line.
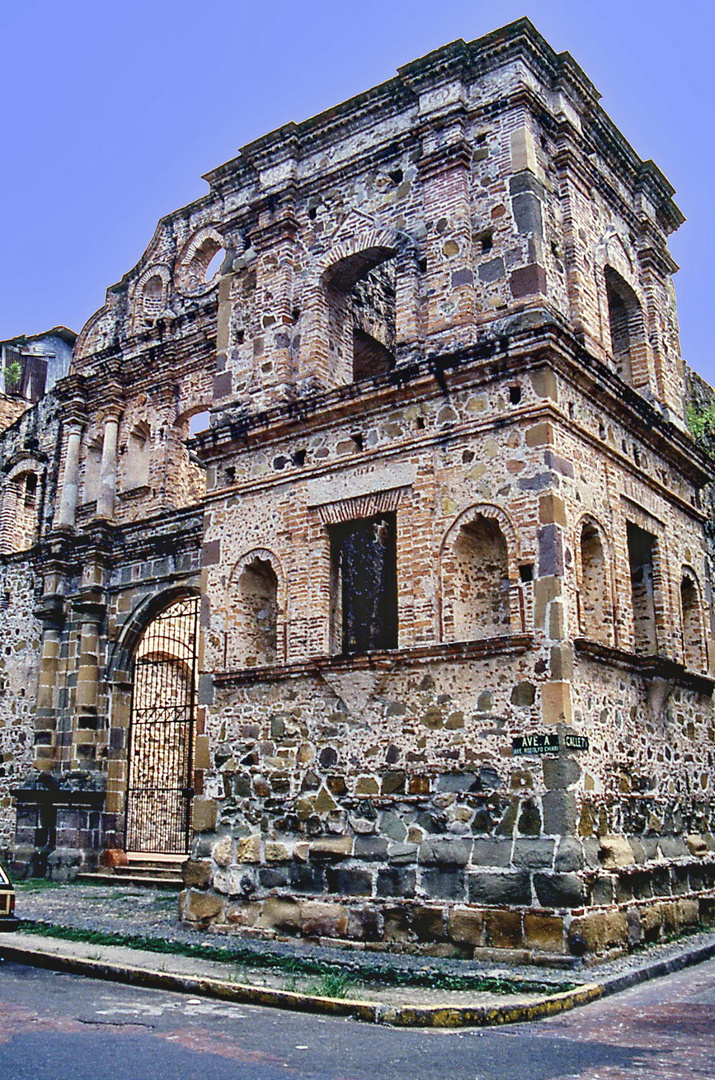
108	466
68	499
88	666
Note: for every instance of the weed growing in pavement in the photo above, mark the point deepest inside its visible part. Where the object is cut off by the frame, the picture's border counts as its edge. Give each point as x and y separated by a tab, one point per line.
333	984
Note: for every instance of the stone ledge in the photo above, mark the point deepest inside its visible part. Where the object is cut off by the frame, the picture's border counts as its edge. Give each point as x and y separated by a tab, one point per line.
509	644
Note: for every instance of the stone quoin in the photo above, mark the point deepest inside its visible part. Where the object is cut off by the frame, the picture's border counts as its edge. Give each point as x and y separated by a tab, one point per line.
372	475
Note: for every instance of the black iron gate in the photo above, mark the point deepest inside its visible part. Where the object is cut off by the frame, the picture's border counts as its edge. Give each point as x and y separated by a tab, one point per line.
161	732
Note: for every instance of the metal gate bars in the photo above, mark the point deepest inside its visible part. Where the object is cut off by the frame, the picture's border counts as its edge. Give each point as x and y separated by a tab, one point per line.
161	732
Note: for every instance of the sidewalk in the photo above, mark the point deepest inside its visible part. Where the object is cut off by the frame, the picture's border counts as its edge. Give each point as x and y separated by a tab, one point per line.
372	986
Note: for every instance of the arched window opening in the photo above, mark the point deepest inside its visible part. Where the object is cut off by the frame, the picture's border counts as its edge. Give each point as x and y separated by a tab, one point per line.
693	651
595	608
164	669
136	473
360	291
153	299
625	322
214	264
204	265
641	556
480	589
253	625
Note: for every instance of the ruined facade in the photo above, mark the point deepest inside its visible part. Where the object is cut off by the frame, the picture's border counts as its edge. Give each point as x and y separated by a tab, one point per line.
371	570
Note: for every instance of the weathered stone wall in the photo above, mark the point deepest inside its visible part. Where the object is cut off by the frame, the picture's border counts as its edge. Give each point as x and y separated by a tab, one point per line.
18	685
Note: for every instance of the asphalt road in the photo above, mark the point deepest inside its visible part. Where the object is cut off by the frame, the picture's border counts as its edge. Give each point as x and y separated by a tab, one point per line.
55	1026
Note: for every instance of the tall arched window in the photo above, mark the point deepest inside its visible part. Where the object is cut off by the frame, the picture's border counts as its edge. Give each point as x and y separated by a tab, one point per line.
360	294
625	323
252	633
595	603
479	582
641	556
693	650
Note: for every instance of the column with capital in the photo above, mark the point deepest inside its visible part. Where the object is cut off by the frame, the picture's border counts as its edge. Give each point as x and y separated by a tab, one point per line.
108	465
67	511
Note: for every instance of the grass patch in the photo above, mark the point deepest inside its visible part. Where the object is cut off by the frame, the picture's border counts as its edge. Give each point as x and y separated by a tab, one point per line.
333	976
36	885
333	984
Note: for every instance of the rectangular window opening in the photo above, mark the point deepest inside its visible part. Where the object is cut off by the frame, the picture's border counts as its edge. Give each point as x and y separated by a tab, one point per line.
364	584
641	550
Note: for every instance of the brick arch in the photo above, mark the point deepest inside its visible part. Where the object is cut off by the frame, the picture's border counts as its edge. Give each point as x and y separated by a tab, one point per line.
619	284
120	656
188	276
20	508
481	526
596	607
142	319
236	648
350	257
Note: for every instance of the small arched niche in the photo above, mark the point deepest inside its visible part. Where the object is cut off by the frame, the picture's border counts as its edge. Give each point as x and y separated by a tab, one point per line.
595	600
691	622
625	319
360	293
252	633
479	584
153	299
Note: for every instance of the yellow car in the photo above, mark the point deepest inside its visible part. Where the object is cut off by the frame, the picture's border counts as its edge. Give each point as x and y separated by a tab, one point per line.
7	903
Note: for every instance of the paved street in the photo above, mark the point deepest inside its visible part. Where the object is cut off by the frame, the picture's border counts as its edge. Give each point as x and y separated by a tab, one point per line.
54	1025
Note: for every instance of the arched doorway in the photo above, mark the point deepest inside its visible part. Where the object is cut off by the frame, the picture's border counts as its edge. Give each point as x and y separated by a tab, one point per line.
161	731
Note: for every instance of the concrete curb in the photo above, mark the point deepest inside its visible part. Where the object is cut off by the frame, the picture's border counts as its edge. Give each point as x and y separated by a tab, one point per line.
373	1012
424	1016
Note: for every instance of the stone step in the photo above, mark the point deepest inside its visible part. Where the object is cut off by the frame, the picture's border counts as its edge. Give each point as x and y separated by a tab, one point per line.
145	870
108	877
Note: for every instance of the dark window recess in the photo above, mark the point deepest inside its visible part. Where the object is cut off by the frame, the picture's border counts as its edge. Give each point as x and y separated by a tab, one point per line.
25	375
641	548
515	394
626	322
526	572
365	583
370	357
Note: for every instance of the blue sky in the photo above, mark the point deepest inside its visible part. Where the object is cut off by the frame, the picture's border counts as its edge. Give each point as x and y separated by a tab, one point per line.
111	113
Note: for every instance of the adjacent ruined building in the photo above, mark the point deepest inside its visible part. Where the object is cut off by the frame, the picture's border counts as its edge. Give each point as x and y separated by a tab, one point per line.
366	572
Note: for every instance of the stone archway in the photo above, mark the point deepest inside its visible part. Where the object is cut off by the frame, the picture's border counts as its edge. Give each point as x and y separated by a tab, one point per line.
161	731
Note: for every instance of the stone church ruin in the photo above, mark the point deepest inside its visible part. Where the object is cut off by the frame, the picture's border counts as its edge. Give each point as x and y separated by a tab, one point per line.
357	558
